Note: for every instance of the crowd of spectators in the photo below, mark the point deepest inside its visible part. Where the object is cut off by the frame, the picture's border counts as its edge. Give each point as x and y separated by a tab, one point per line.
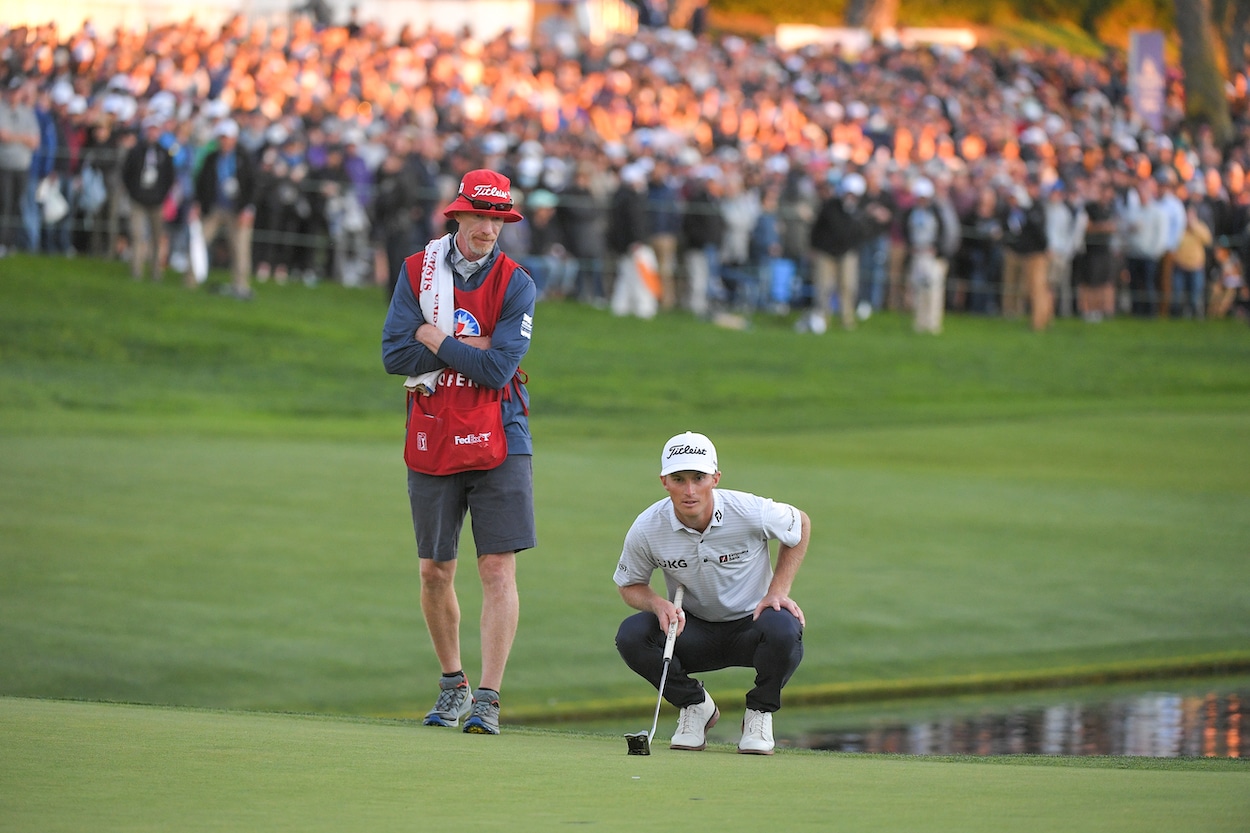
982	181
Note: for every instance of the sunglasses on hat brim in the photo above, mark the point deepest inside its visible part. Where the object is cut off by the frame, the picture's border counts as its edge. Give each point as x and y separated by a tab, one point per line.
487	205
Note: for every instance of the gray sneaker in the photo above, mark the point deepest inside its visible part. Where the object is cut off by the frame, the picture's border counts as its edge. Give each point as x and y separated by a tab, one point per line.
453	703
485	717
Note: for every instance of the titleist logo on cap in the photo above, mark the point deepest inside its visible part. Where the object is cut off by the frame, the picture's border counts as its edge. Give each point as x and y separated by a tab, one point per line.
488	191
688	452
686	449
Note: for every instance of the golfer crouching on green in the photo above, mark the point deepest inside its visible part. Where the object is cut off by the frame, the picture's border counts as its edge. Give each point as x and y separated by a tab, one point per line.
737	609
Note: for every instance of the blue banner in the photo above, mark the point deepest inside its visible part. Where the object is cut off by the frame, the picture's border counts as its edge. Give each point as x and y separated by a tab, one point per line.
1147	80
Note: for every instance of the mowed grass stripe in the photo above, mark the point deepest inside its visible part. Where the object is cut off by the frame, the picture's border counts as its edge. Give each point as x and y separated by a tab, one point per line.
259	573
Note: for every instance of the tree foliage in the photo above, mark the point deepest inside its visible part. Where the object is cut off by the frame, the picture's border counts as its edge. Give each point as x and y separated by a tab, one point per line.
1204	83
1231	19
873	15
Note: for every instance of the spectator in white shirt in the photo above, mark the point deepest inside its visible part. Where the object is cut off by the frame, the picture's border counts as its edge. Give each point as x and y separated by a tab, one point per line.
1145	241
1173	209
1065	225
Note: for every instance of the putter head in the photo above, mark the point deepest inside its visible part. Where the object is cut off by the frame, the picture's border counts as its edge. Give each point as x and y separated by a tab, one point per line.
639	743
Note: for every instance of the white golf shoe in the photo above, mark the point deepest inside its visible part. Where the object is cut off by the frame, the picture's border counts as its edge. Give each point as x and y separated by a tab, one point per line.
757	733
693	723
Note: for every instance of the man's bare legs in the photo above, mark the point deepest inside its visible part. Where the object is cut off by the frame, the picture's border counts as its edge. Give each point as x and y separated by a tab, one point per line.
441	609
501	610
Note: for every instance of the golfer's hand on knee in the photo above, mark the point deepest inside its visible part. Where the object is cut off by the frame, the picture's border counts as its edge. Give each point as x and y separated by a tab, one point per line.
779	602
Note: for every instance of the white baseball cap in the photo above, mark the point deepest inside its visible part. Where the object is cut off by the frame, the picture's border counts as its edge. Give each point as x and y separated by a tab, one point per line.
854	183
689	452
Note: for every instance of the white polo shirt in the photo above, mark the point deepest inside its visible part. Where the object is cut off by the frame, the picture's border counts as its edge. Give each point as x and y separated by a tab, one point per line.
727	568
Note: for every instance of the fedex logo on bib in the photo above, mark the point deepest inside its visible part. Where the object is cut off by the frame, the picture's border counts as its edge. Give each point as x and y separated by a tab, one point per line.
466	324
472	439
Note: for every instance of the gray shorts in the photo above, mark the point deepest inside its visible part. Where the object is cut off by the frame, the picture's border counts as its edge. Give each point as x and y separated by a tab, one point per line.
500	503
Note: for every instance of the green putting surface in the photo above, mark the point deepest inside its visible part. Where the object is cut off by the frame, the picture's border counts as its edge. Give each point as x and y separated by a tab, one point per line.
79	766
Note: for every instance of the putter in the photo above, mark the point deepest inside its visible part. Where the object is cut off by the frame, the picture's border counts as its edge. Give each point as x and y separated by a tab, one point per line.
640	742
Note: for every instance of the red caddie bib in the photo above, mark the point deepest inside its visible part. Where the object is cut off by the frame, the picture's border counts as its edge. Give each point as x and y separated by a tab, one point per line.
459	427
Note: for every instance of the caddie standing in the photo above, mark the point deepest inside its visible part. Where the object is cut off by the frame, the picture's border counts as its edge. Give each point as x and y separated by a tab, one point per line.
458	327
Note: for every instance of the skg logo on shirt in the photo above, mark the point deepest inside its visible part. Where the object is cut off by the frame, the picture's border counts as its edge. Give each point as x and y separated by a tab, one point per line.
466	324
675	564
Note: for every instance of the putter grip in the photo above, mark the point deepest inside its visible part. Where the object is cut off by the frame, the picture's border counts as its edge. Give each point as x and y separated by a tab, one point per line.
672	626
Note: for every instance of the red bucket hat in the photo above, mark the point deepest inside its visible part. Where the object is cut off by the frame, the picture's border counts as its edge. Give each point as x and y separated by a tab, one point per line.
485	192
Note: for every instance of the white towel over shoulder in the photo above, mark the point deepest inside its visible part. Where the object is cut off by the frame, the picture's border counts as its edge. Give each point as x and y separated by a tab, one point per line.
437	296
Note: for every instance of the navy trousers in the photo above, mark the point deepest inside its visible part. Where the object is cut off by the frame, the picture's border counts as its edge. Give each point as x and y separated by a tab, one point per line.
772	645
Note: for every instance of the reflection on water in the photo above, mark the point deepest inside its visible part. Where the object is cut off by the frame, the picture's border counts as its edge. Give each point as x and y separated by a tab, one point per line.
1154	725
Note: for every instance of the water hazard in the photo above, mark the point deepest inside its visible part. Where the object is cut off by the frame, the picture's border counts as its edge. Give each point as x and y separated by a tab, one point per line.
1151	724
